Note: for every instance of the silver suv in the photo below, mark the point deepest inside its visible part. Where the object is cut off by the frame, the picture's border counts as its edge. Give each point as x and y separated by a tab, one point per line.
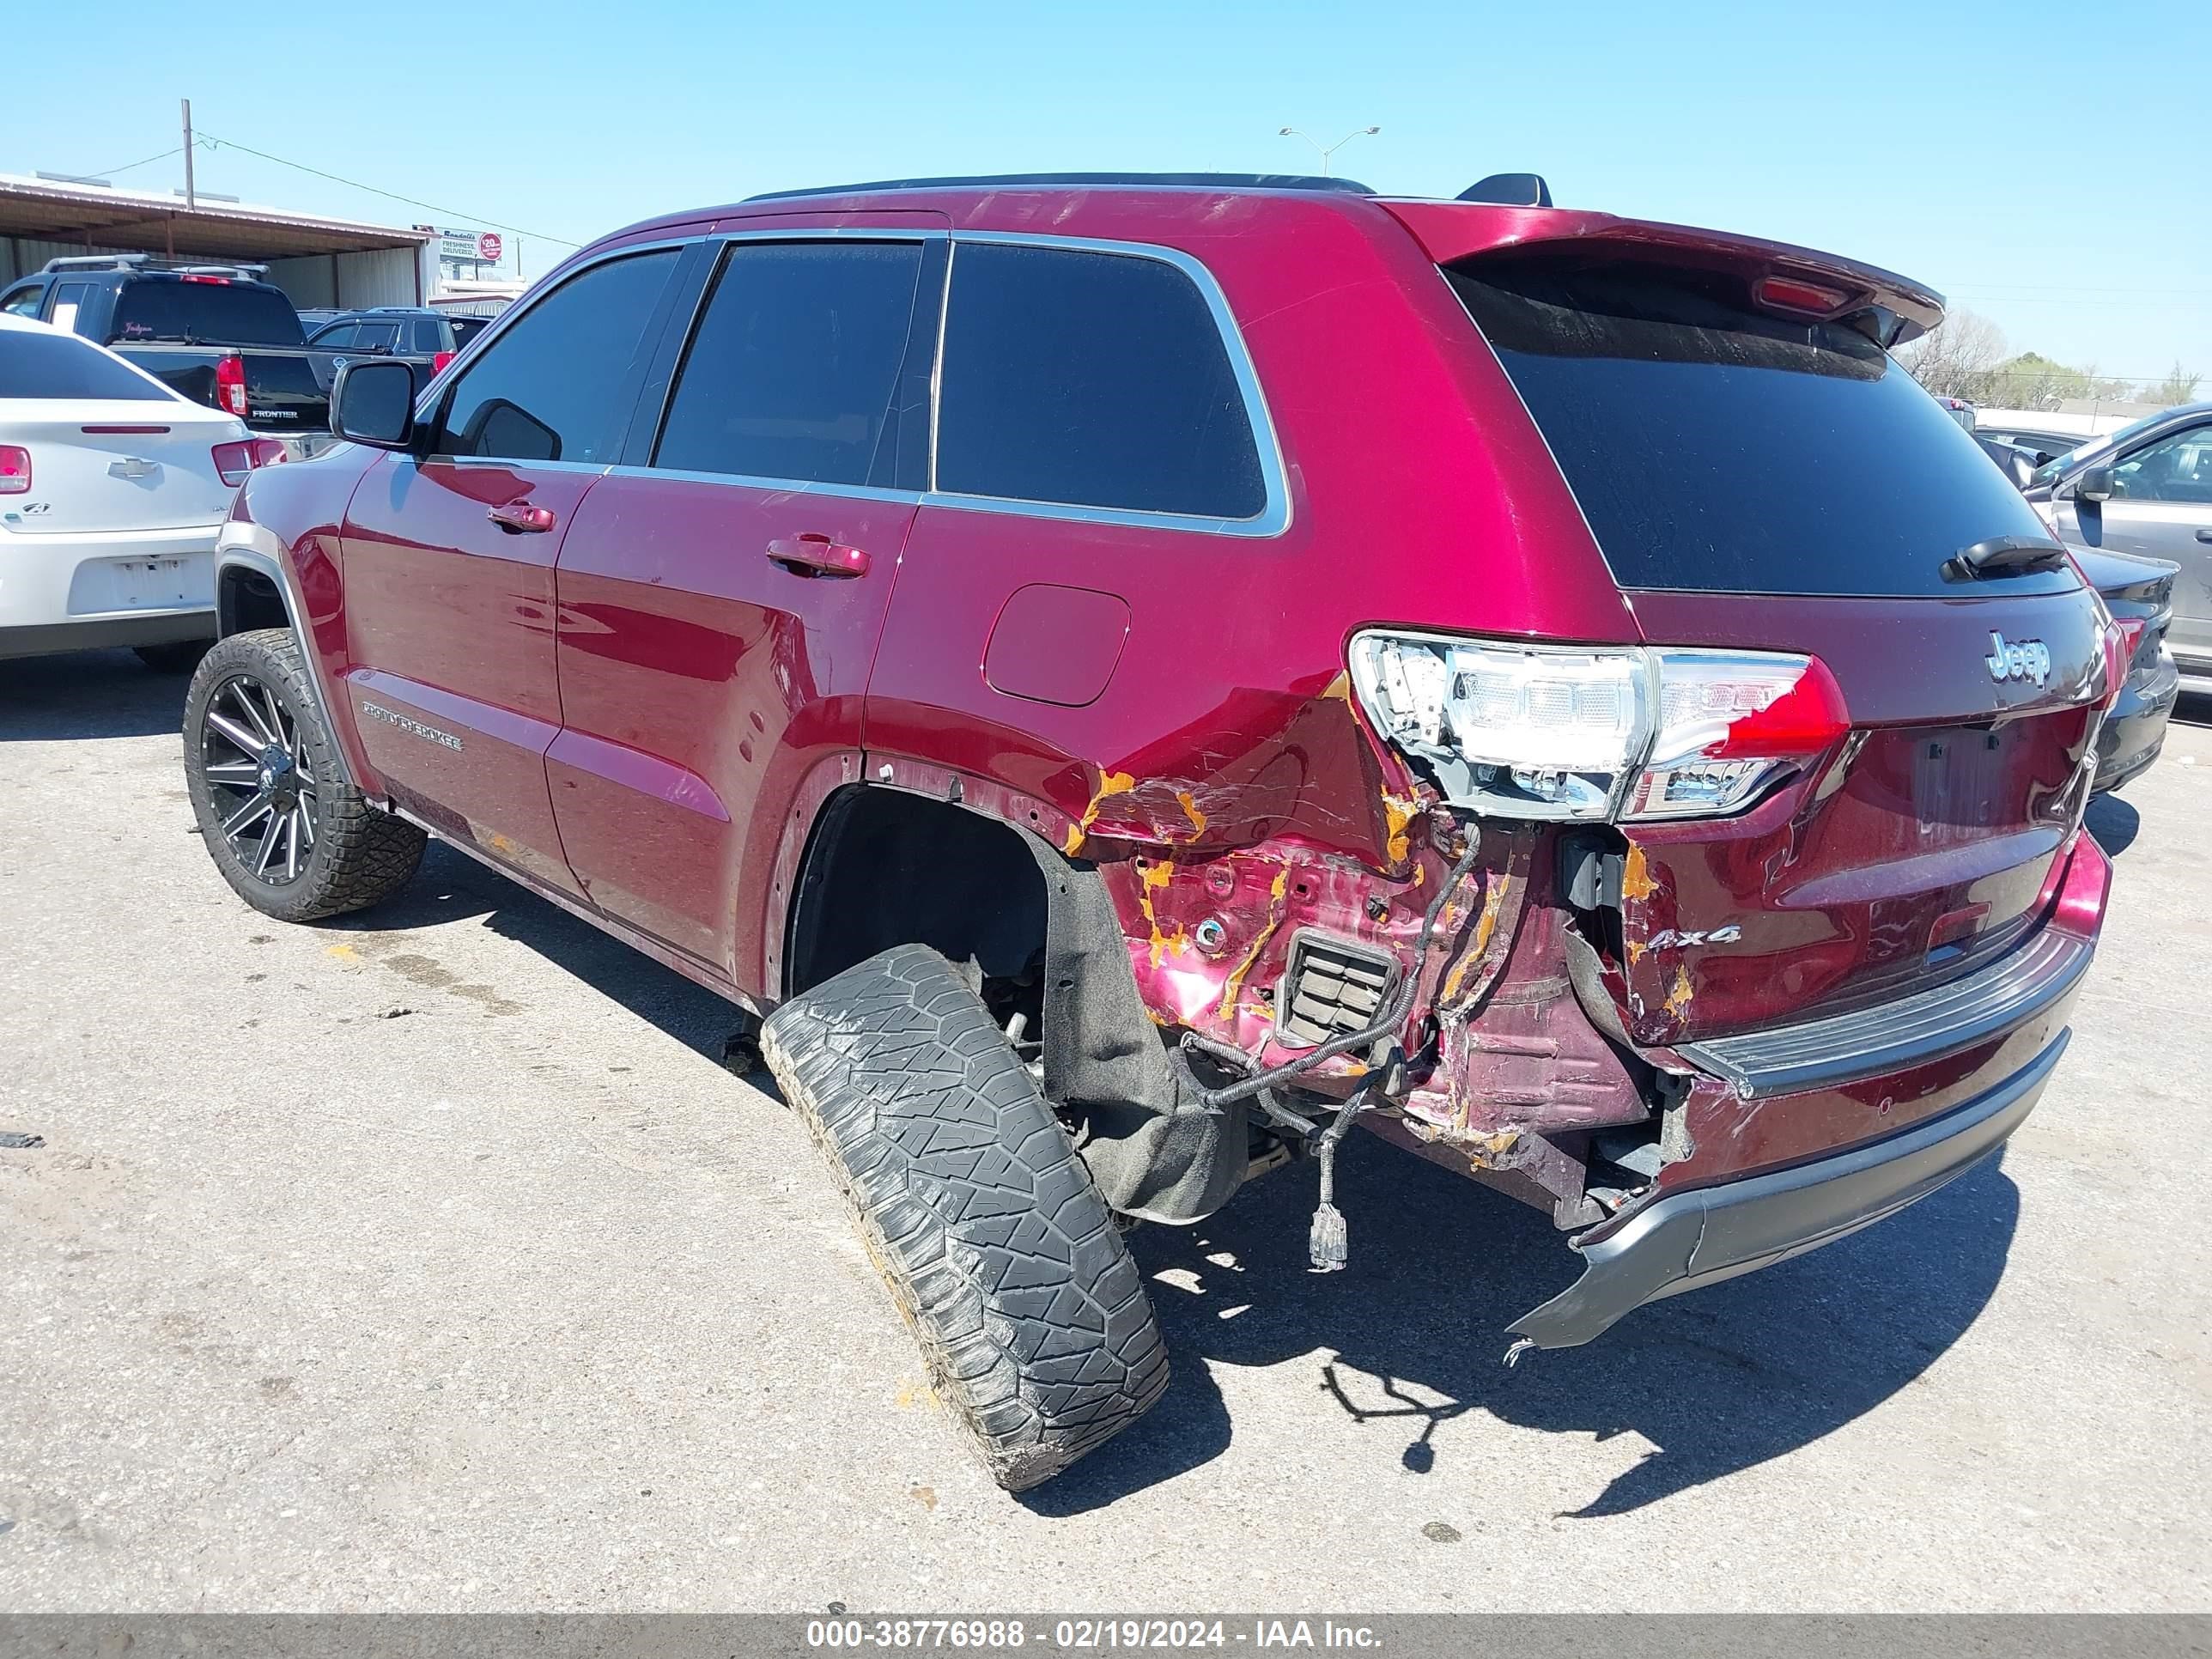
2147	489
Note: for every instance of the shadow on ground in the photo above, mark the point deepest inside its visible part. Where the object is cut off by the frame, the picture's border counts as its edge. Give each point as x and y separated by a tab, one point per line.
1409	1339
1718	1381
454	887
87	693
2114	824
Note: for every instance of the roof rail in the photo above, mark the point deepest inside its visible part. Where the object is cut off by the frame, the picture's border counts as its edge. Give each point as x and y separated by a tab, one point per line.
97	262
1079	180
148	262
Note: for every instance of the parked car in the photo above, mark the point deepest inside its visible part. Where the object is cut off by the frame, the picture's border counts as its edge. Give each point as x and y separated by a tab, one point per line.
111	488
2147	489
430	337
2139	594
2041	447
218	334
1351	661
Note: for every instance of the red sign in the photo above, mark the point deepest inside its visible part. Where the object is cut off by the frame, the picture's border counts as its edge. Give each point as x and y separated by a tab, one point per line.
490	247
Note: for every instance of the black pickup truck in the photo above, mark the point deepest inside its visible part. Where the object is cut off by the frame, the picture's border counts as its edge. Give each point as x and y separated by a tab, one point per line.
216	333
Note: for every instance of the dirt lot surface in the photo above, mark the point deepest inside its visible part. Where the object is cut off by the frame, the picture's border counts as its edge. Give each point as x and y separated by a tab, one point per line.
429	1259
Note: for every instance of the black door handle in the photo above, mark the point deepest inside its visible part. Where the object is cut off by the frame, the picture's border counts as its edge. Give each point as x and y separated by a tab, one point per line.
2204	535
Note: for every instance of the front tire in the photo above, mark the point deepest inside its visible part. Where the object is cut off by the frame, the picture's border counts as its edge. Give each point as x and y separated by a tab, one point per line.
985	1226
293	838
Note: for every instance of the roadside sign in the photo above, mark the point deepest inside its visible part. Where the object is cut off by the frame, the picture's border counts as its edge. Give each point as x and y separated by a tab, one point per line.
490	247
459	245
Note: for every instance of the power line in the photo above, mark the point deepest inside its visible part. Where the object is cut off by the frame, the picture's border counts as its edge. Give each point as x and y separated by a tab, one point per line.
109	172
211	141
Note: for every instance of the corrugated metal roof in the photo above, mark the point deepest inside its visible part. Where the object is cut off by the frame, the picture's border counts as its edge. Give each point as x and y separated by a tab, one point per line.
51	211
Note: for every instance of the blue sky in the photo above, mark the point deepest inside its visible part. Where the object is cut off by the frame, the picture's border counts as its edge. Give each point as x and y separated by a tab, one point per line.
2050	165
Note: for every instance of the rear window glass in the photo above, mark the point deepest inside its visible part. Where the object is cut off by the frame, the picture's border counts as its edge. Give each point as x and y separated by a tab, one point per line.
1090	380
1716	450
219	313
57	366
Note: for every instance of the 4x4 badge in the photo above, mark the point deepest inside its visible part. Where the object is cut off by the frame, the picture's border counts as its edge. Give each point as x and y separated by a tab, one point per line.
2023	659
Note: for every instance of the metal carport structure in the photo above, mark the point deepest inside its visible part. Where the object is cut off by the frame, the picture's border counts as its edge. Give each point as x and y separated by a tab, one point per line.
318	261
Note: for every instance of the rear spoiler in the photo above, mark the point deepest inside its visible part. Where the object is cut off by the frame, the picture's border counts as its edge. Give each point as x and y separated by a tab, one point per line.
1899	308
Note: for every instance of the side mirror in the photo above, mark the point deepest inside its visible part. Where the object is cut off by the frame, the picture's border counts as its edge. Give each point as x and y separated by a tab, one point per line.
374	403
2094	485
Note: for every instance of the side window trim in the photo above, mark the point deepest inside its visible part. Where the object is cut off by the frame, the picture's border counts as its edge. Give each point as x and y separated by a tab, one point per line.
436	401
1274	516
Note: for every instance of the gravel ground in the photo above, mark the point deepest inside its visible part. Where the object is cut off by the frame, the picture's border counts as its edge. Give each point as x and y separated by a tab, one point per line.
429	1259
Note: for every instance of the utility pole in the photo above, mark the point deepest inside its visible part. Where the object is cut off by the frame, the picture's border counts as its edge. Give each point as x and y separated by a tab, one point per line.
187	103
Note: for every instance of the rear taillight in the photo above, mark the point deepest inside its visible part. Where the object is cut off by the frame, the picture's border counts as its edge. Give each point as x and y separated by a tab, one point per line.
439	360
230	385
235	461
1727	724
1546	731
15	471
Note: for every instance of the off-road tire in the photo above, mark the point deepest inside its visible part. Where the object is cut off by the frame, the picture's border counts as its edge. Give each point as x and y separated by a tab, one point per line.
362	856
177	657
968	1194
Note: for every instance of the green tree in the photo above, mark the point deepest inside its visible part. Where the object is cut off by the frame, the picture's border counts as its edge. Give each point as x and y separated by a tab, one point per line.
2178	388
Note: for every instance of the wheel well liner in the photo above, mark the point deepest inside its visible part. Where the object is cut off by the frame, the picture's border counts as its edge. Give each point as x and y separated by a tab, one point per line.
885	867
246	599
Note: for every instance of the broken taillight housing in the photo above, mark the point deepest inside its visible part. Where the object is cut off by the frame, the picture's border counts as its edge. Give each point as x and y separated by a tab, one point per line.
1555	732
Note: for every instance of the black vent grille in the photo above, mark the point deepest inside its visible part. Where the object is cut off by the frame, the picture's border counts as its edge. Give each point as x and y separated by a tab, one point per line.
1332	986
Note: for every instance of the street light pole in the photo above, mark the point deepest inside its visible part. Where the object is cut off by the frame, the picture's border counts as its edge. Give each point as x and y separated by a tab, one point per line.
1294	132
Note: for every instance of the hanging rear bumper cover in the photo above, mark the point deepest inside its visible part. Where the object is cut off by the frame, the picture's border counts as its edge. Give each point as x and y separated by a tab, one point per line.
1685	1239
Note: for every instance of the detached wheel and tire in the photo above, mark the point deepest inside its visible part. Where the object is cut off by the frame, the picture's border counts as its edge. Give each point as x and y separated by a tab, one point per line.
998	1249
291	836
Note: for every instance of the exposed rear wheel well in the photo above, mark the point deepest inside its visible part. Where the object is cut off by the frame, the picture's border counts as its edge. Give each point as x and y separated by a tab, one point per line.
247	600
889	868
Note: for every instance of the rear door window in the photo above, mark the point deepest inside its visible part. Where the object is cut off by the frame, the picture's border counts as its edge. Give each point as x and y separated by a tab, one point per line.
378	336
61	366
556	386
1717	449
68	300
1090	380
210	310
792	370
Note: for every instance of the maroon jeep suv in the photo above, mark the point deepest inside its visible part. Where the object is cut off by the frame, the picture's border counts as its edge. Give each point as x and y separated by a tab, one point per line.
1120	679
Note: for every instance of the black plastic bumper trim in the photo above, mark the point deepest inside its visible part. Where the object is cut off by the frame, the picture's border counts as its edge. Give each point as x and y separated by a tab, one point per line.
1710	1233
1826	1054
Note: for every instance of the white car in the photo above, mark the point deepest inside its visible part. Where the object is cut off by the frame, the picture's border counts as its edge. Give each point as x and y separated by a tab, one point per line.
111	491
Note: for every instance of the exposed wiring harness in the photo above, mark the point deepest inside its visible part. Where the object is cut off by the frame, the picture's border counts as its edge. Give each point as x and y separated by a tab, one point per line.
1328	1244
1384	1024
